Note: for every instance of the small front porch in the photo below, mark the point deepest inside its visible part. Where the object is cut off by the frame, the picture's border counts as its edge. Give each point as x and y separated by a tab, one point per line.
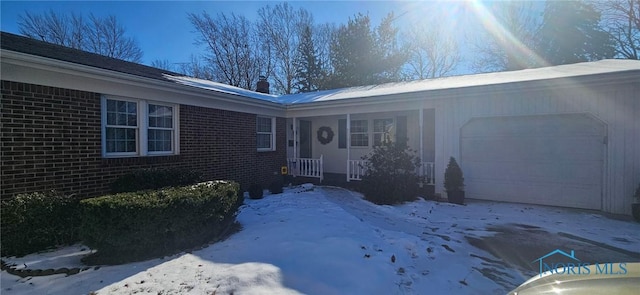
331	147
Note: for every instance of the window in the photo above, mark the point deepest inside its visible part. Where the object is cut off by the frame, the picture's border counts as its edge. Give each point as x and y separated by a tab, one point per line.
160	134
359	133
265	133
382	131
138	128
121	127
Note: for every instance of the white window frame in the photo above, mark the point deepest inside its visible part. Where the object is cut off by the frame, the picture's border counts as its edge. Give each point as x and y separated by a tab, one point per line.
366	132
374	132
103	107
272	133
173	128
141	129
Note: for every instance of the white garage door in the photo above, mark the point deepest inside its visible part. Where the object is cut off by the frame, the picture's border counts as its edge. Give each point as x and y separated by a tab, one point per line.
548	159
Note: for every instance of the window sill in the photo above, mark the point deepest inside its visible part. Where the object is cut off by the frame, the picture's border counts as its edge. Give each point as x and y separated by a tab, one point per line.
118	156
127	156
265	150
139	160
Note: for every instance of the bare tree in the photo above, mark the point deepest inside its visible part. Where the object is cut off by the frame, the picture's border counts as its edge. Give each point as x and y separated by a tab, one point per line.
322	35
234	48
107	37
508	41
195	68
621	18
433	52
282	26
103	36
162	64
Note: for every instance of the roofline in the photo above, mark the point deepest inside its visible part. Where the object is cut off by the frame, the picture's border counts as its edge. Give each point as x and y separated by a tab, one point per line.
237	102
37	62
473	91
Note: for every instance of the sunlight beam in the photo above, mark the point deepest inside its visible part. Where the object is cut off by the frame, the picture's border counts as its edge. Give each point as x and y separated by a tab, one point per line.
505	38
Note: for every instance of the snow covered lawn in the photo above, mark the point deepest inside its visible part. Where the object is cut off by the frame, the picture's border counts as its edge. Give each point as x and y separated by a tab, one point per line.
330	241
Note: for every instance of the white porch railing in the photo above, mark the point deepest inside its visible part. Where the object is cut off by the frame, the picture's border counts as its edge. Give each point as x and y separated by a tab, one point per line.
356	170
306	167
428	171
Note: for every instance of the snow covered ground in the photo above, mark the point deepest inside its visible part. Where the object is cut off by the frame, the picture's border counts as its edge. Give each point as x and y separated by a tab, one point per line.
329	241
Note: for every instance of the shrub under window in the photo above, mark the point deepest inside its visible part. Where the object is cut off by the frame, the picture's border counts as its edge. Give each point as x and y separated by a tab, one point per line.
155	178
38	221
390	176
134	226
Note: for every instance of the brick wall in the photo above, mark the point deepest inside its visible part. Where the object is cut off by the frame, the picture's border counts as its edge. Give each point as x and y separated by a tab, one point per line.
51	140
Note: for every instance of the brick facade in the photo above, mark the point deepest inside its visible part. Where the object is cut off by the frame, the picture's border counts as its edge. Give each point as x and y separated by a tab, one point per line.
51	140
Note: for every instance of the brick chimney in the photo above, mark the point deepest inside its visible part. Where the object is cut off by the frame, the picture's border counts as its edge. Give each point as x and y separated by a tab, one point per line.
263	85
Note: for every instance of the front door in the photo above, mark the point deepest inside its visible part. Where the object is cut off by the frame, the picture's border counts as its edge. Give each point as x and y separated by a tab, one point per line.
305	139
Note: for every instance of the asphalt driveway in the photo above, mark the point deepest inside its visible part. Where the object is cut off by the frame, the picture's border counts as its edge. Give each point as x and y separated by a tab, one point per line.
510	242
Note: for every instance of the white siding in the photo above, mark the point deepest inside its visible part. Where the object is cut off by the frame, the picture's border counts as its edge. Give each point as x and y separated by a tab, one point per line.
615	102
616	105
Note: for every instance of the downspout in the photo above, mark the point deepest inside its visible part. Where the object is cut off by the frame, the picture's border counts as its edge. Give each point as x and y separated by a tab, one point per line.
295	140
348	143
421	120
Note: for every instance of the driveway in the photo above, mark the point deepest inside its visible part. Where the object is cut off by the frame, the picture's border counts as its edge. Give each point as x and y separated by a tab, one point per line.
509	244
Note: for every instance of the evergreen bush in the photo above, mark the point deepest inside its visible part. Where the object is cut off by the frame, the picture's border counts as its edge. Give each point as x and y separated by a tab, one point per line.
38	221
138	225
154	178
390	174
454	182
256	191
276	187
453	178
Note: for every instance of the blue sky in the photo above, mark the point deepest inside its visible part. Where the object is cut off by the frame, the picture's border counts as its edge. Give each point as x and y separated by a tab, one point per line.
163	31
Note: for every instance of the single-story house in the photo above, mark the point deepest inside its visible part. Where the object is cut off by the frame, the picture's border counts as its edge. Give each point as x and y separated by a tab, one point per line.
565	135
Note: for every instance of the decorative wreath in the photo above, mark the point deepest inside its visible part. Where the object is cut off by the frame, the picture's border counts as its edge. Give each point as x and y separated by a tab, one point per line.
325	134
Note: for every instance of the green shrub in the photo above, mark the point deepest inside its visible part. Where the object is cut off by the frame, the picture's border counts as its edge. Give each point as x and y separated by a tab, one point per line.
390	176
453	178
154	178
139	225
256	191
38	221
276	187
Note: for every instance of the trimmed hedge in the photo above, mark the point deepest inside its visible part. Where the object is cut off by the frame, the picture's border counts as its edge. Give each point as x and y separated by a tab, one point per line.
155	178
38	221
138	225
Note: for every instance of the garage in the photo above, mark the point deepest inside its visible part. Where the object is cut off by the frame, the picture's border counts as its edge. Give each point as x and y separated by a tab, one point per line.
544	159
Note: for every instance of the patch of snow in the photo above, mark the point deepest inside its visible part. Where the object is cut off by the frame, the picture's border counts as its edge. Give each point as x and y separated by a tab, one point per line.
554	72
223	88
360	92
325	240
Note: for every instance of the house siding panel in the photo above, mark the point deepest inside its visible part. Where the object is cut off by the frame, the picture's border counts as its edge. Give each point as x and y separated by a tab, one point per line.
51	140
616	105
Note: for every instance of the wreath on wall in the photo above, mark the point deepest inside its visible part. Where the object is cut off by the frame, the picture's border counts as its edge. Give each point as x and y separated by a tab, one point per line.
325	134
